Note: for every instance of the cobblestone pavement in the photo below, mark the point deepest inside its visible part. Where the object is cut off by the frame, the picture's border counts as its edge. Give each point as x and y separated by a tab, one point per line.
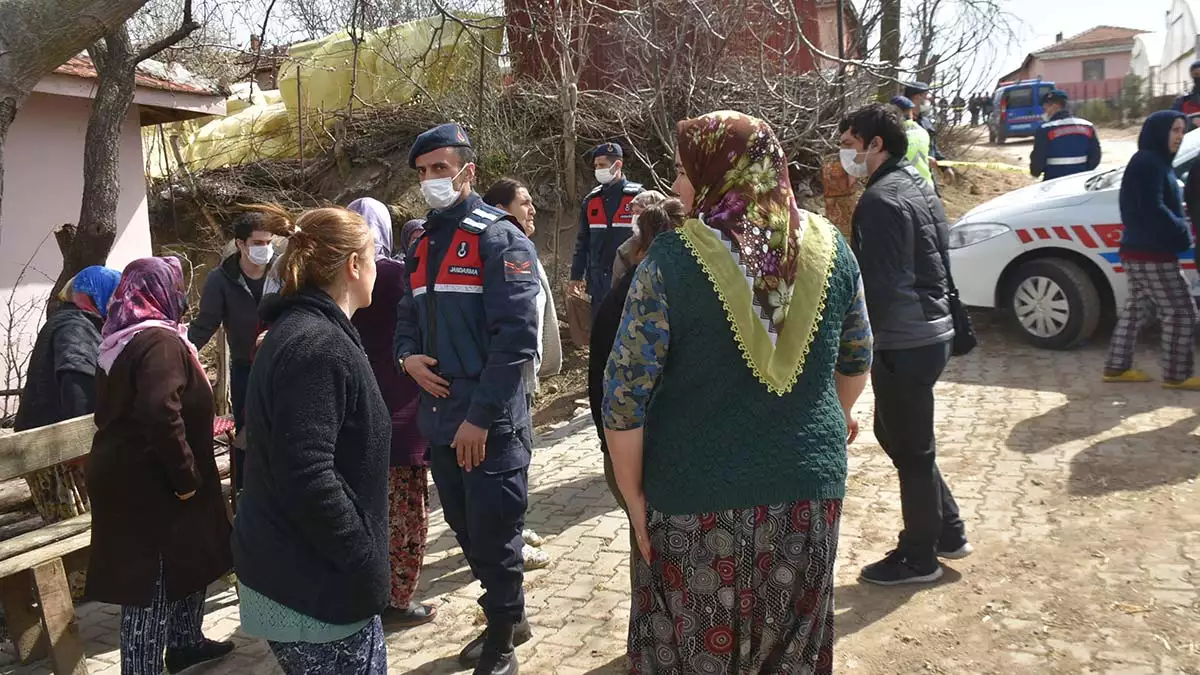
1081	500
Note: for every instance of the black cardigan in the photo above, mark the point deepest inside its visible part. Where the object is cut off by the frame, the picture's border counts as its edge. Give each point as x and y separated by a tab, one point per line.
312	522
604	333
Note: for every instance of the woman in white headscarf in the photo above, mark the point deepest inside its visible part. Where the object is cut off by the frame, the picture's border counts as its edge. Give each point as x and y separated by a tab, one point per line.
408	481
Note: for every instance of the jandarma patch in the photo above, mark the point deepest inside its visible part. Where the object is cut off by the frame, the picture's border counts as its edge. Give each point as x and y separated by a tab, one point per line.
517	266
459	269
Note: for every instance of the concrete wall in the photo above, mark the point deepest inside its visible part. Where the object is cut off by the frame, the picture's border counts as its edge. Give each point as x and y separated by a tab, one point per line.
43	185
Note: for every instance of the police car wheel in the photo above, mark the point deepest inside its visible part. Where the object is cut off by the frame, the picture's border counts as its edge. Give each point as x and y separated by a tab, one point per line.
1053	303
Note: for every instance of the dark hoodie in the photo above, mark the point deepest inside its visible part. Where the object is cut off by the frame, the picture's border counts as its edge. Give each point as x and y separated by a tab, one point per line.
312	524
1151	204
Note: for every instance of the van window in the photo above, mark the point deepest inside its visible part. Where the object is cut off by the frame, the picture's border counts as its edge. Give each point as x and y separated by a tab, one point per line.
1020	97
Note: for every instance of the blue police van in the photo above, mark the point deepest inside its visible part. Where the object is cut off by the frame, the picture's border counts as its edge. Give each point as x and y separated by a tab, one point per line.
1017	110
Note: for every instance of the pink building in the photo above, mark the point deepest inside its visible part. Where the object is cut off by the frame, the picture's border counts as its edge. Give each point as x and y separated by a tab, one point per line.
43	184
827	31
1091	65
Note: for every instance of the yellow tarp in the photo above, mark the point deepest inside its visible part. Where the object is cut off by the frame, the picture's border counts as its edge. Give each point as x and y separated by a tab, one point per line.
395	64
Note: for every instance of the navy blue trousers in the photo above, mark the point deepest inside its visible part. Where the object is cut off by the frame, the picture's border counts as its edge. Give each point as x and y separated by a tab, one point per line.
486	509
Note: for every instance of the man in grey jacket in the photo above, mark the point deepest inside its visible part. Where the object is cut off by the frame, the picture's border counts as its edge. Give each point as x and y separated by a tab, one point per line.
899	236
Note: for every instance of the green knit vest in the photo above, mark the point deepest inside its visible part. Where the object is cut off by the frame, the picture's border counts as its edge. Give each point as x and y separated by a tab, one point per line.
715	437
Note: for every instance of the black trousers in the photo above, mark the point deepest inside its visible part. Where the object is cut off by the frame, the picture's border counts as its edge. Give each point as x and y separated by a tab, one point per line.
903	381
486	509
239	382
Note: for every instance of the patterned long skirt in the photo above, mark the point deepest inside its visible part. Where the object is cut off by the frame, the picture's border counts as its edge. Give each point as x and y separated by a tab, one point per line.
746	591
408	516
363	653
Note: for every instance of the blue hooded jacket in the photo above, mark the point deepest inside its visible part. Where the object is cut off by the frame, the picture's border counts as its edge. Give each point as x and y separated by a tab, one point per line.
1151	202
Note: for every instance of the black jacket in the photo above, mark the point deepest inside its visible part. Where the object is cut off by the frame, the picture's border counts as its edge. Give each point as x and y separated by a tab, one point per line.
227	301
61	383
899	232
312	523
605	327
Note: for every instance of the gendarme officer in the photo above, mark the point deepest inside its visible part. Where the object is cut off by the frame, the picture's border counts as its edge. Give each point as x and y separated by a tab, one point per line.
1064	144
605	222
465	328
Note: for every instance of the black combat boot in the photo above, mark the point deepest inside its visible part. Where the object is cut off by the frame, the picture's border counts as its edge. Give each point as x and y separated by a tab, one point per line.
470	655
498	656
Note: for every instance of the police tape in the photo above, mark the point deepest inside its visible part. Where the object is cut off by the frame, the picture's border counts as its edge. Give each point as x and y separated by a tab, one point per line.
995	166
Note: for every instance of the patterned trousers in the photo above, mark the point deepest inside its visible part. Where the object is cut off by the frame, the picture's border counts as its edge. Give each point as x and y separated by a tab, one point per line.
1156	289
147	631
363	653
408	516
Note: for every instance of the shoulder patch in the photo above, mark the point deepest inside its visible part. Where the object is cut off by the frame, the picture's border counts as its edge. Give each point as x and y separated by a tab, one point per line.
518	266
594	191
633	188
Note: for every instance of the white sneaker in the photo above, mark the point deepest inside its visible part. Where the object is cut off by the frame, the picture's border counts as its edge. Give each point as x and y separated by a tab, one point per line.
532	538
959	553
535	558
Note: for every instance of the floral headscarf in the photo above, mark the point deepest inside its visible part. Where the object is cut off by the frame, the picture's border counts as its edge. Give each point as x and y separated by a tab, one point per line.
151	294
740	174
91	289
769	261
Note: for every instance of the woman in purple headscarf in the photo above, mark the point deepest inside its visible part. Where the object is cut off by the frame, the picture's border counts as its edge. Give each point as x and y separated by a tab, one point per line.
408	482
160	533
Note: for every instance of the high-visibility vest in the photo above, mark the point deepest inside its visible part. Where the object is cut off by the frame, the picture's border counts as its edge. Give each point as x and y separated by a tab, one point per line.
918	149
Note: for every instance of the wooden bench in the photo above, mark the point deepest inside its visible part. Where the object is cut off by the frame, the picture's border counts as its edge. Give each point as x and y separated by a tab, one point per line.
33	579
34	591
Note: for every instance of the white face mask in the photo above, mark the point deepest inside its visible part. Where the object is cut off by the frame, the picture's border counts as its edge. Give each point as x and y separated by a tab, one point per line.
439	193
259	255
606	176
850	163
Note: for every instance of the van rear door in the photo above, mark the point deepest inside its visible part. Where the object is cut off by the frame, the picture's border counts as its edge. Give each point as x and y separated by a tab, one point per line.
1024	109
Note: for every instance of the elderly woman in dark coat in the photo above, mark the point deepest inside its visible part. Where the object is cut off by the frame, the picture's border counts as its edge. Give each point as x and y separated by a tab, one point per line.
408	473
61	384
160	534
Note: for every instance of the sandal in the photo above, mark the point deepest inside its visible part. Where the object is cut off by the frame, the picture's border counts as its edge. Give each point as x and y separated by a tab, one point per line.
414	615
535	558
532	538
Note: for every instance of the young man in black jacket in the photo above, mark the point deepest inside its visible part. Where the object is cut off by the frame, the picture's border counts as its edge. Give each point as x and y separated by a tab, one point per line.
899	236
232	293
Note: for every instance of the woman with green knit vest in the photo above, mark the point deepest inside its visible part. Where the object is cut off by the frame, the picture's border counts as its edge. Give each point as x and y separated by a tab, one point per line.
743	346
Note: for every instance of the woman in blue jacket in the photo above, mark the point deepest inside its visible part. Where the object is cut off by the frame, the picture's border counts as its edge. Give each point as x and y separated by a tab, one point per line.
1156	233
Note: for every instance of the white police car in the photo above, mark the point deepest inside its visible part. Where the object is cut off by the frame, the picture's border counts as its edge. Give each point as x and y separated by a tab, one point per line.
1047	254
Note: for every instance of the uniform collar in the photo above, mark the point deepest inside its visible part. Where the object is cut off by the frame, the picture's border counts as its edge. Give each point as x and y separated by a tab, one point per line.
616	185
454	214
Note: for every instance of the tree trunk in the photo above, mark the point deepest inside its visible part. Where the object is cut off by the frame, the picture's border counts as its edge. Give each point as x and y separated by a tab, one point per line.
889	46
40	35
116	63
97	227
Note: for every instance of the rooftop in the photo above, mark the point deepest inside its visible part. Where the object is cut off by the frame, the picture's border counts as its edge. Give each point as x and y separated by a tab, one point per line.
1094	38
150	75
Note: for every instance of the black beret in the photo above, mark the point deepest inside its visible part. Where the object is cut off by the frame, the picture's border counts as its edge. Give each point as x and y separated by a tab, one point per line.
441	136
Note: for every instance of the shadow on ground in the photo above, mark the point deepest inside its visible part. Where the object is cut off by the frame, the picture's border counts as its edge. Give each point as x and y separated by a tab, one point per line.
552	510
859	605
1141	461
